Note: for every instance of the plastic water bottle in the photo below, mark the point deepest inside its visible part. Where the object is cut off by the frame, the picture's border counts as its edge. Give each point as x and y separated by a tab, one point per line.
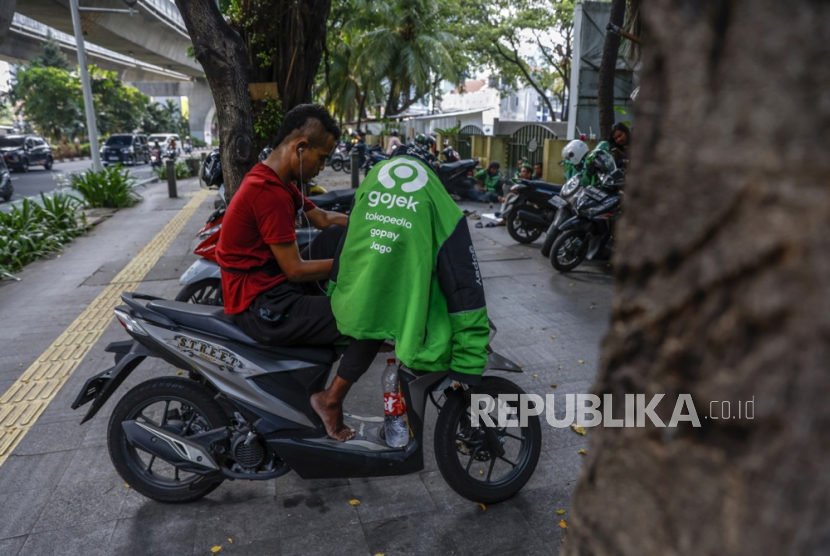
395	428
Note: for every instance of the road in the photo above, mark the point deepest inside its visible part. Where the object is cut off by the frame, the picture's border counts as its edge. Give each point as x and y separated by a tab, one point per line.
38	180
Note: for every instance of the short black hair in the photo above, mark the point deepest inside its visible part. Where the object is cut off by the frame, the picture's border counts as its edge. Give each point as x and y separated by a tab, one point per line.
303	117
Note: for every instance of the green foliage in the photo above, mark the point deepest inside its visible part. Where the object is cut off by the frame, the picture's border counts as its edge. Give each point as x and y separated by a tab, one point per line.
164	118
30	231
112	187
51	99
53	56
118	108
448	131
267	115
182	170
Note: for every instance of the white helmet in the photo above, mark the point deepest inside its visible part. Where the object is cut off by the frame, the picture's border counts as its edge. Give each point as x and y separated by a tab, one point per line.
575	151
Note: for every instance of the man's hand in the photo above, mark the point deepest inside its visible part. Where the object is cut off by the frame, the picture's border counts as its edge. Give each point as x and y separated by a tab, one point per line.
320	218
295	268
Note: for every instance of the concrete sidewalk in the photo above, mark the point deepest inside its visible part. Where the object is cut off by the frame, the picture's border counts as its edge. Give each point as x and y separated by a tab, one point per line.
59	493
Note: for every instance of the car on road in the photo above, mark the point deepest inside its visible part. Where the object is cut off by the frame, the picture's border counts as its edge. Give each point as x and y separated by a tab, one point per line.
164	139
125	148
6	189
20	152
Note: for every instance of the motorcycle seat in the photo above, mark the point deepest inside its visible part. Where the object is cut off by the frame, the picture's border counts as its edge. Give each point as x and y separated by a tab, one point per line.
214	321
538	184
332	197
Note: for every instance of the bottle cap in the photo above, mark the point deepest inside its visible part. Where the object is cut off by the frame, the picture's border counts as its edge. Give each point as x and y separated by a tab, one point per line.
390	361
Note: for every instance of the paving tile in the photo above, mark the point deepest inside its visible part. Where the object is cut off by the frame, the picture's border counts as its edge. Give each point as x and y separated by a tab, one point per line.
391	497
253	525
347	540
89	465
305	514
10	547
83	504
37	471
81	541
50	437
293	483
539	508
21	510
156	534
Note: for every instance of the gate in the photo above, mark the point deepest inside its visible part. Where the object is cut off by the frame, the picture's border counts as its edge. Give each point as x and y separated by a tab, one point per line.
465	140
527	142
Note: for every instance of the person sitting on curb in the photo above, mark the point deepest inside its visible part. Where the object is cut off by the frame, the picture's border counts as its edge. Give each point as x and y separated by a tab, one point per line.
490	180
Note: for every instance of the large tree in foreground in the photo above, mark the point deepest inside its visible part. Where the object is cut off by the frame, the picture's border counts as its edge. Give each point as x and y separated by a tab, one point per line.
722	291
282	41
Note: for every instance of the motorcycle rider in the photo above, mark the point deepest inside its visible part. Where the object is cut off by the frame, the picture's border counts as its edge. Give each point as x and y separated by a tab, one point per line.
268	286
380	288
394	142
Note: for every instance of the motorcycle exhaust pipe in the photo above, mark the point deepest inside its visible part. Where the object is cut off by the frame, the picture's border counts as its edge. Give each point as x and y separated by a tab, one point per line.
169	447
531	218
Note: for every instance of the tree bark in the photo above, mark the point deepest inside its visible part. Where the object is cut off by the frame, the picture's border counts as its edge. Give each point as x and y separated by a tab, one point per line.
223	55
300	48
608	71
722	274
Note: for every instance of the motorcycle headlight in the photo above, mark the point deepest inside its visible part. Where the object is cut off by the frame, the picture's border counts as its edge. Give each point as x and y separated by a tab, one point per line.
570	186
209	232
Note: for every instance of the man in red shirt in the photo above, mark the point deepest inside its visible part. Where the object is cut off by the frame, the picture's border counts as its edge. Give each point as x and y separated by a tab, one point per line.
269	288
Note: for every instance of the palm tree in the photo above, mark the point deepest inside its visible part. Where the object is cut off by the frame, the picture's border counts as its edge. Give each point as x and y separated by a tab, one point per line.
404	47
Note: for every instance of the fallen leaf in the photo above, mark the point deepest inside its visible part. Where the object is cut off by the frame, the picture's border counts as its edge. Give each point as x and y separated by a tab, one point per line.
482	506
230	541
380	554
354	502
552	337
535	376
127	485
560	367
583	452
178	372
581	361
481	471
216	549
563	525
579	430
560	512
553	385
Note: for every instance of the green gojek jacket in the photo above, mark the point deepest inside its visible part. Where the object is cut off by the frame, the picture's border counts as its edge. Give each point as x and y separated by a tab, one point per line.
407	271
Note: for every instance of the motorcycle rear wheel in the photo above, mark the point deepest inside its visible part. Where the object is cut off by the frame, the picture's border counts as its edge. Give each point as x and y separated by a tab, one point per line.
203	292
337	165
568	250
179	405
521	232
456	439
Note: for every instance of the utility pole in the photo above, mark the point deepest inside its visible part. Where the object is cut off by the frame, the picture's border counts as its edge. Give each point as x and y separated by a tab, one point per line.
91	126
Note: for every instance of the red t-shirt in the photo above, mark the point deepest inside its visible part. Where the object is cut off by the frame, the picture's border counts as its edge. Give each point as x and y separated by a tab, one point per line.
261	213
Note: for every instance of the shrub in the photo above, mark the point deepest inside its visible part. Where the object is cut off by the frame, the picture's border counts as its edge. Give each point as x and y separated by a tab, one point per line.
182	170
30	231
112	187
84	150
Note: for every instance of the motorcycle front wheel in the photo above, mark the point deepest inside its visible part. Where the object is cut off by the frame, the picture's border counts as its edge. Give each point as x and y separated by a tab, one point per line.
203	292
337	165
547	245
569	250
522	231
466	456
179	405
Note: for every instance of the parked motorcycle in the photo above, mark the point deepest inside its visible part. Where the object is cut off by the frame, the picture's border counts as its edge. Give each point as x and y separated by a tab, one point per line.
527	211
338	156
590	234
457	177
563	207
242	411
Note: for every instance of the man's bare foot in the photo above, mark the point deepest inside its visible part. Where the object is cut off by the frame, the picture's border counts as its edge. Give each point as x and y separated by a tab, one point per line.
332	415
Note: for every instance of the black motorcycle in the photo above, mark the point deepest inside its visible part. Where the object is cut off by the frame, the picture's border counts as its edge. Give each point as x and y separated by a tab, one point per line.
528	211
590	234
457	177
242	411
564	211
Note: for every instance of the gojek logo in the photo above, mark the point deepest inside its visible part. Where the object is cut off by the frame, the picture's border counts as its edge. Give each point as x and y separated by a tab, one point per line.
409	175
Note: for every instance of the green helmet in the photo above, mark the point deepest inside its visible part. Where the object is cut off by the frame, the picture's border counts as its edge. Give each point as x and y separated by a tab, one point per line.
421	139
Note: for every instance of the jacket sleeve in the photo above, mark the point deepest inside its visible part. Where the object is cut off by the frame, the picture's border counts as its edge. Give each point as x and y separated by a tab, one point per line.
461	282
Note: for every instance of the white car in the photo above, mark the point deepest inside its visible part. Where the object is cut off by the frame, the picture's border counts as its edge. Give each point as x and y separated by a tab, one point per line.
163	139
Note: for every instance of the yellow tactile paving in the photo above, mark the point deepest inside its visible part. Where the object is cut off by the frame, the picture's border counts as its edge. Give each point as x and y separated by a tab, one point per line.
28	397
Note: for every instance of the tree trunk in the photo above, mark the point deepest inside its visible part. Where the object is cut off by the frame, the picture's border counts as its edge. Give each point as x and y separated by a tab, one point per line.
722	292
608	71
224	58
300	48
